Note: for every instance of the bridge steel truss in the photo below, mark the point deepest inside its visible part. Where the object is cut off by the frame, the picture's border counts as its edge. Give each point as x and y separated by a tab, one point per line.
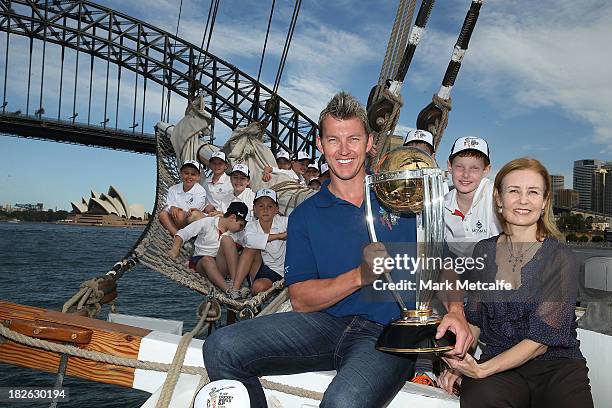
235	97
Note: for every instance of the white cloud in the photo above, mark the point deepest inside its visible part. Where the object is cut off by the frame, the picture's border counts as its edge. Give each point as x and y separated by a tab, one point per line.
553	53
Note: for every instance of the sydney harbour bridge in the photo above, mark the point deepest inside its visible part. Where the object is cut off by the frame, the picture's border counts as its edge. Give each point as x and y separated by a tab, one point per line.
77	72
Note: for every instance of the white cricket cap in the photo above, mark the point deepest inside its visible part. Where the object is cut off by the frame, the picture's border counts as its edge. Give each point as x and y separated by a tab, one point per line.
303	156
242	168
470	143
418	135
314	166
282	154
191	163
219	155
223	393
266	192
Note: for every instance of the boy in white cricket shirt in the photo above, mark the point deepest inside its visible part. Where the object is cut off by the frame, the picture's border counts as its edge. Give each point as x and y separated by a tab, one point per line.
263	258
298	167
209	231
218	185
241	180
183	198
233	242
469	209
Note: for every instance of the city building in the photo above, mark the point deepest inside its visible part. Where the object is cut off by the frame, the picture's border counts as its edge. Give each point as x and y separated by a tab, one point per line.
598	189
558	183
607	195
567	198
26	207
583	181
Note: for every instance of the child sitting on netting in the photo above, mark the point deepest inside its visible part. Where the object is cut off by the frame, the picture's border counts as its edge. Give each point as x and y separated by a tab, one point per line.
207	257
183	198
263	257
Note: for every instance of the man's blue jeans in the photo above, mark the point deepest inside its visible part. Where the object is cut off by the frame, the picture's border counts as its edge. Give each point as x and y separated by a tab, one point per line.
290	343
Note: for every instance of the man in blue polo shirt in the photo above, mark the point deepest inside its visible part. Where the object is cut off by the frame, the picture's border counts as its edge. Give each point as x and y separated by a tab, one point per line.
329	264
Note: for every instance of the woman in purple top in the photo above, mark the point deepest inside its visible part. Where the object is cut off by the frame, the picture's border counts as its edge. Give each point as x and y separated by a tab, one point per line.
530	351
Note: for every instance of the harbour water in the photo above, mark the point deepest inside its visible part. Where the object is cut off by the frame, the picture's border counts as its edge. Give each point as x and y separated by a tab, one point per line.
43	265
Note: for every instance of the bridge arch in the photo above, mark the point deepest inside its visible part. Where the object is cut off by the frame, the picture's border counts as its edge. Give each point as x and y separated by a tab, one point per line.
236	98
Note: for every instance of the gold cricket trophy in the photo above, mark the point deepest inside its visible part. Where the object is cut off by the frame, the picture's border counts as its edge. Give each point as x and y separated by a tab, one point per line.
408	180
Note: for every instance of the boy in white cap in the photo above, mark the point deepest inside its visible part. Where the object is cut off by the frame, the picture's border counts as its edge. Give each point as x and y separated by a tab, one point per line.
240	177
298	167
233	242
469	211
312	172
300	163
209	231
218	185
421	139
283	161
263	258
183	198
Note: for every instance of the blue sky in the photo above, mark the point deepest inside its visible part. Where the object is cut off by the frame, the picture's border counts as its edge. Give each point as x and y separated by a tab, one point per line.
534	82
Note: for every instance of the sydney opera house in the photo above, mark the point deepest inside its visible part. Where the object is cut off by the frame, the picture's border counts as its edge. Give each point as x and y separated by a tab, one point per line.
108	209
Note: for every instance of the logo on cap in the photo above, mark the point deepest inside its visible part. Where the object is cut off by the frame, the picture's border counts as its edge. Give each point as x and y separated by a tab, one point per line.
470	142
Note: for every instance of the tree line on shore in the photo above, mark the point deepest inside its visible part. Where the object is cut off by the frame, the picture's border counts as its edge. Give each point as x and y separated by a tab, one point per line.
34	216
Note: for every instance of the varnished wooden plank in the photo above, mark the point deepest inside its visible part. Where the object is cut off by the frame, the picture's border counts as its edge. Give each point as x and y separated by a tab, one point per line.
112	338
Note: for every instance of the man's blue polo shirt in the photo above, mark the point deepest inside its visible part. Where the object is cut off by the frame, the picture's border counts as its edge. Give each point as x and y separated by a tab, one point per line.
325	238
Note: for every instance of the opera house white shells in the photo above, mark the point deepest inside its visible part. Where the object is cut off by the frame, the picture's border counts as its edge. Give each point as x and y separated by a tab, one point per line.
111	203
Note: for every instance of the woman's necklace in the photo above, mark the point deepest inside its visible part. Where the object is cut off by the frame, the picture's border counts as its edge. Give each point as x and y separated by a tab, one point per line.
515	259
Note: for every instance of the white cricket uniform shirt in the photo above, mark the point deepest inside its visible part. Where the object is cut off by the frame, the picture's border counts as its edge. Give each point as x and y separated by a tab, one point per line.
247	197
218	192
194	198
272	253
209	237
463	231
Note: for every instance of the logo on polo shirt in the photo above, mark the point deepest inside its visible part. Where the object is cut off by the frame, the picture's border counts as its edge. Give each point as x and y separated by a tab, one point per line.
479	228
190	201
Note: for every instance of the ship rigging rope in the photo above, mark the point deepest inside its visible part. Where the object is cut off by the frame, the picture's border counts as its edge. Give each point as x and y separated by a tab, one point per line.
141	364
263	53
288	39
397	40
212	17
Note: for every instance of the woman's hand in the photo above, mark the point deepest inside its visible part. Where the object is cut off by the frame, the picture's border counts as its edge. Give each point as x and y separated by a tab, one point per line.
447	380
467	366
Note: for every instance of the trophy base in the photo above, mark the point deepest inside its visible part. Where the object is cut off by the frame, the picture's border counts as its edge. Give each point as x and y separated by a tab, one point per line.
414	333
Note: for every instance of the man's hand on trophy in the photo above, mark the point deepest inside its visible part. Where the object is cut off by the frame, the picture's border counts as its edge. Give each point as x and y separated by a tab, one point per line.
455	322
373	263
